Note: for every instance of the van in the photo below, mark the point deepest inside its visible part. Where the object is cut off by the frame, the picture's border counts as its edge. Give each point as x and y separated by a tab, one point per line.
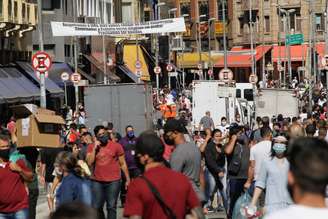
245	91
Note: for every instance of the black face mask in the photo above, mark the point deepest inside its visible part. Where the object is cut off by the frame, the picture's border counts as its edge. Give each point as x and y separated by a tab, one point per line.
103	140
168	141
4	154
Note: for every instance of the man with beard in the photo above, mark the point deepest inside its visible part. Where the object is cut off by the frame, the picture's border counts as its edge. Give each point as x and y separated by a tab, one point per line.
307	180
129	146
107	158
238	153
13	194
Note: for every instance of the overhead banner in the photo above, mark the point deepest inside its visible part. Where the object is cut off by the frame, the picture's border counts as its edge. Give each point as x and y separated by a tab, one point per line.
118	29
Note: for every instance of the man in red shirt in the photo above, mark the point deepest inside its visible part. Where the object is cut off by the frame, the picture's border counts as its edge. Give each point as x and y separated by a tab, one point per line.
13	193
173	188
107	159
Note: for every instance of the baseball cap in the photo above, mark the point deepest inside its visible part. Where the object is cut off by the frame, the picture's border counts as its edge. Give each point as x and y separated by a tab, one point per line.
174	125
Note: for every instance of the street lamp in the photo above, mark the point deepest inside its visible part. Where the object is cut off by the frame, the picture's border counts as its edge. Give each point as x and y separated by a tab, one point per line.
209	45
287	33
200	41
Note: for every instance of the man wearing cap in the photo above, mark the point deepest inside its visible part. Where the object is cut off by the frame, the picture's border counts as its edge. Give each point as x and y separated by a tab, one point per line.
186	157
237	152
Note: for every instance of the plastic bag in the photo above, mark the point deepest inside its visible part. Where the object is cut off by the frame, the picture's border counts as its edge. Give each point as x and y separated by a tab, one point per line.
241	206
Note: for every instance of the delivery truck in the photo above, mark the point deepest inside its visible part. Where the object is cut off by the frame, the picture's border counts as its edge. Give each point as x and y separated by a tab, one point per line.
121	104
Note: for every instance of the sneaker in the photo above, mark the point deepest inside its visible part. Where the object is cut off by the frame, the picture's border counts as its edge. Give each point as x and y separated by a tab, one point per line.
220	209
210	209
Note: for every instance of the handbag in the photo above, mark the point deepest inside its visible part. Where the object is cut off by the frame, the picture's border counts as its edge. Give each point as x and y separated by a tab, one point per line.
167	210
235	163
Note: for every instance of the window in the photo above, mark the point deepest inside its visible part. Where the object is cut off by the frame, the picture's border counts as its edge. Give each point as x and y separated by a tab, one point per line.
15	9
23	10
203	10
241	25
28	13
67	50
220	10
185	8
109	14
9	8
319	22
147	16
298	24
65	7
126	13
267	24
50	5
1	7
238	93
248	94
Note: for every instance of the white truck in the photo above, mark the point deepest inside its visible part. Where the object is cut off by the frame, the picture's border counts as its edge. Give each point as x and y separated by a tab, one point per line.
219	99
271	102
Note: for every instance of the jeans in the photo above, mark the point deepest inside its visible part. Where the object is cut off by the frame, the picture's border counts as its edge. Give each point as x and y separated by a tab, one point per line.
106	192
236	187
21	214
213	188
33	199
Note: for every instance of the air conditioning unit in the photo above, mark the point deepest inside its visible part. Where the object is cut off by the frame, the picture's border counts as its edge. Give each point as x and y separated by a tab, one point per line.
177	44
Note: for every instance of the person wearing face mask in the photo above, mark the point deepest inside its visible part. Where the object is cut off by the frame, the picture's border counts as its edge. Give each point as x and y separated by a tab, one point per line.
14	200
107	158
237	152
215	160
273	178
223	127
307	179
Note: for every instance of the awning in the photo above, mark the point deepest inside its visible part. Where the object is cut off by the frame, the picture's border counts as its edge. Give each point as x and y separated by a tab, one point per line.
297	53
51	86
14	87
191	60
128	73
241	58
130	58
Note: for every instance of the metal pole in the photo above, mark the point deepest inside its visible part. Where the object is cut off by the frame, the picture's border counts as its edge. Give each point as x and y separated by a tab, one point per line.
75	57
209	48
200	50
310	56
225	53
288	51
65	89
279	47
43	98
286	48
157	51
104	45
251	36
326	47
137	44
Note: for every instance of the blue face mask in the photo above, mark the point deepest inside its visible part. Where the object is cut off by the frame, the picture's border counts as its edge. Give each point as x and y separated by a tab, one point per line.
279	148
130	134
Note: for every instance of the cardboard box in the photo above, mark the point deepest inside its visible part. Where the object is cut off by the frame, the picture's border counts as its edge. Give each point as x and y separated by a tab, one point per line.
37	127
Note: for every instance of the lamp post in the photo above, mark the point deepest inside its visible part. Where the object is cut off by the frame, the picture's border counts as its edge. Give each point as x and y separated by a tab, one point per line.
183	73
172	10
251	36
225	53
287	33
210	64
199	44
158	6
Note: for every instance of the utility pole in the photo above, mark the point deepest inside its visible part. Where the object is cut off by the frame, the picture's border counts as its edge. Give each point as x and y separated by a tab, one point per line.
104	45
279	47
43	98
326	46
158	7
210	63
225	53
251	36
310	57
76	87
169	45
288	47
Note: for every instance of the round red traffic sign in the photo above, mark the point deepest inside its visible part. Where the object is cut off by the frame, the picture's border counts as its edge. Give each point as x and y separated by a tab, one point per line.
169	67
253	79
210	72
225	75
75	78
157	70
138	64
41	62
64	76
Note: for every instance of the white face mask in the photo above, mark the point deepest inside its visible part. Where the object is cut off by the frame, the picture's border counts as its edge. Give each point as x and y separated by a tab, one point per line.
223	123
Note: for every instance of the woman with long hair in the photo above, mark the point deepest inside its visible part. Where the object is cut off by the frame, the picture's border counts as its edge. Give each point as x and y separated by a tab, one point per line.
273	178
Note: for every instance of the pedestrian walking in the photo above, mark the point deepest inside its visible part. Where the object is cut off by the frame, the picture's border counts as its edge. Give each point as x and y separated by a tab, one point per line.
206	122
160	192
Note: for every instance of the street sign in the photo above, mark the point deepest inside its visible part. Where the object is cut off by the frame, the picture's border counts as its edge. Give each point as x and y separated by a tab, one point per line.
38	74
293	39
138	64
225	75
76	78
64	76
41	62
253	79
210	72
169	67
138	73
157	70
173	74
324	62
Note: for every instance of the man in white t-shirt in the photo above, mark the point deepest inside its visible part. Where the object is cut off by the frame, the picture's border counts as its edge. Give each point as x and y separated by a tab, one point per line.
307	180
259	152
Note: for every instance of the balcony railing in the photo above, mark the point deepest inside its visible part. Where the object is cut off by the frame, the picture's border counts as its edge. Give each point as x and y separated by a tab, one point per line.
18	12
245	4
